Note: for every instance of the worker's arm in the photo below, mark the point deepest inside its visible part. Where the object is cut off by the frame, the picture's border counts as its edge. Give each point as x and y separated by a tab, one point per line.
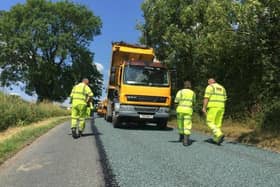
71	95
208	92
89	95
205	103
177	98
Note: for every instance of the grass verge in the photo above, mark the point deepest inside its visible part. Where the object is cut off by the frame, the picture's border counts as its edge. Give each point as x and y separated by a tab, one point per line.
19	137
246	133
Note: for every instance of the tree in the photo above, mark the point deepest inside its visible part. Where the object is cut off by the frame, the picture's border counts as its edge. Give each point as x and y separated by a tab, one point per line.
45	45
237	42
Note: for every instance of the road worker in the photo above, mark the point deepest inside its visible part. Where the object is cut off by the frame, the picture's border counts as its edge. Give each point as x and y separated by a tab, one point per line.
90	109
80	98
184	100
214	107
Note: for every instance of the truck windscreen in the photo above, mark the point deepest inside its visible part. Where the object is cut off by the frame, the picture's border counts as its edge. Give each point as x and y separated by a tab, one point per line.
146	76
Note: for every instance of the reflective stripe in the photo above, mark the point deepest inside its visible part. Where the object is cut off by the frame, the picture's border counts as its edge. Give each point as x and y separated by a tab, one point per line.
208	93
187	106
185	100
78	93
218	101
216	95
77	98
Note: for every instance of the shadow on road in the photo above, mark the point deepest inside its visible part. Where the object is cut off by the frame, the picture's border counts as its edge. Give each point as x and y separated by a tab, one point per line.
144	127
88	134
233	142
107	171
176	141
211	141
91	134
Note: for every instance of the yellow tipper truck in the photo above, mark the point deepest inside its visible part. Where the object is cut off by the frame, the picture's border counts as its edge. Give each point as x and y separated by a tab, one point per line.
139	88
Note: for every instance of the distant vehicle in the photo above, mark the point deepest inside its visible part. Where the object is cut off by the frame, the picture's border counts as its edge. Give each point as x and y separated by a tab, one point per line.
101	108
139	88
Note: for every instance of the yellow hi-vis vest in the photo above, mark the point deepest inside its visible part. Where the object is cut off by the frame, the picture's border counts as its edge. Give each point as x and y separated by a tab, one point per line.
185	99
80	93
216	94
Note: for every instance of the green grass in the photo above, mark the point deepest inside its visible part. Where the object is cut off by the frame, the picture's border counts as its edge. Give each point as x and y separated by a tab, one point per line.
246	131
16	112
12	145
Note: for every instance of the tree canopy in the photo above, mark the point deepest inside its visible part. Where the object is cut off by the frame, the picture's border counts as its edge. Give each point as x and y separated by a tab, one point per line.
45	45
236	42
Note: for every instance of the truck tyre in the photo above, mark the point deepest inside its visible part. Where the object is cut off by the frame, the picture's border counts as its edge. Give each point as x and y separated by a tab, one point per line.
116	122
108	118
162	124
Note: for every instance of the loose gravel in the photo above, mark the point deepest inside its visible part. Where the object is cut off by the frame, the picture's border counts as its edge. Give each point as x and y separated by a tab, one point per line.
145	156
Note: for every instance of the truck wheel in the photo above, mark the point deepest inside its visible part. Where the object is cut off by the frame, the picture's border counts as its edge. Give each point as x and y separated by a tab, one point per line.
116	122
162	124
108	118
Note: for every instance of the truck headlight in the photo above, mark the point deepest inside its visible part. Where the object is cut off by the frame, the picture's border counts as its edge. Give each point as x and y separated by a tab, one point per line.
126	108
163	110
117	107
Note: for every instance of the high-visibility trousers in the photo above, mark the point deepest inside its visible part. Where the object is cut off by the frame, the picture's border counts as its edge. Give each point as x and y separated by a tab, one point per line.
214	121
89	112
184	122
78	112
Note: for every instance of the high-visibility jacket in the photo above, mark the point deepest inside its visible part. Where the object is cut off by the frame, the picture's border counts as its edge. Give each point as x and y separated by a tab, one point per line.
216	94
80	94
185	99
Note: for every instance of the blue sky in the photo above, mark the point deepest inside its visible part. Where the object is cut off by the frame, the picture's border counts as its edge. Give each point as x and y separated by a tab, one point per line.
119	20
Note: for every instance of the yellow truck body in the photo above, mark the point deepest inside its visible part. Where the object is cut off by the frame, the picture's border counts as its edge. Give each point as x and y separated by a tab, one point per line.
139	88
101	108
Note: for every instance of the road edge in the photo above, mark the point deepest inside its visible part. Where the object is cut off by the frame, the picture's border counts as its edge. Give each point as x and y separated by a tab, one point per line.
109	177
16	143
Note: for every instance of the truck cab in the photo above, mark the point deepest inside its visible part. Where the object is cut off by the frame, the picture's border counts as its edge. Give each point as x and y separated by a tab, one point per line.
139	88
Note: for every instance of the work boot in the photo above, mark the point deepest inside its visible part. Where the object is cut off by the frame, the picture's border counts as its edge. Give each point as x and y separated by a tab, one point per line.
186	141
221	139
181	137
74	134
80	133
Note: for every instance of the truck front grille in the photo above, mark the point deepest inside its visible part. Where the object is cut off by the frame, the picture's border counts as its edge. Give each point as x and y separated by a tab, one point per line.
141	98
146	110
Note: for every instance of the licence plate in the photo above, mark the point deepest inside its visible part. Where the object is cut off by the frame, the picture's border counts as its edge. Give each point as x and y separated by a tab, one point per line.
145	116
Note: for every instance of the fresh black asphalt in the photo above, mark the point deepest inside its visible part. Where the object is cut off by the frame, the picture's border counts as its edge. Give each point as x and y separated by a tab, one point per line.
137	156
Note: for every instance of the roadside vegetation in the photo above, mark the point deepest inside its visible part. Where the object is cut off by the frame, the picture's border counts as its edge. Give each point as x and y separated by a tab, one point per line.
49	54
235	42
246	131
16	112
21	122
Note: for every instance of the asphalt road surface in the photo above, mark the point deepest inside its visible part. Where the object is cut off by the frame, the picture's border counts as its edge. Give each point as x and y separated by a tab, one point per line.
55	159
145	156
137	156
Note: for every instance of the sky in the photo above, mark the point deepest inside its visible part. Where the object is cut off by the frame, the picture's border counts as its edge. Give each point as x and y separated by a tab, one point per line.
119	19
